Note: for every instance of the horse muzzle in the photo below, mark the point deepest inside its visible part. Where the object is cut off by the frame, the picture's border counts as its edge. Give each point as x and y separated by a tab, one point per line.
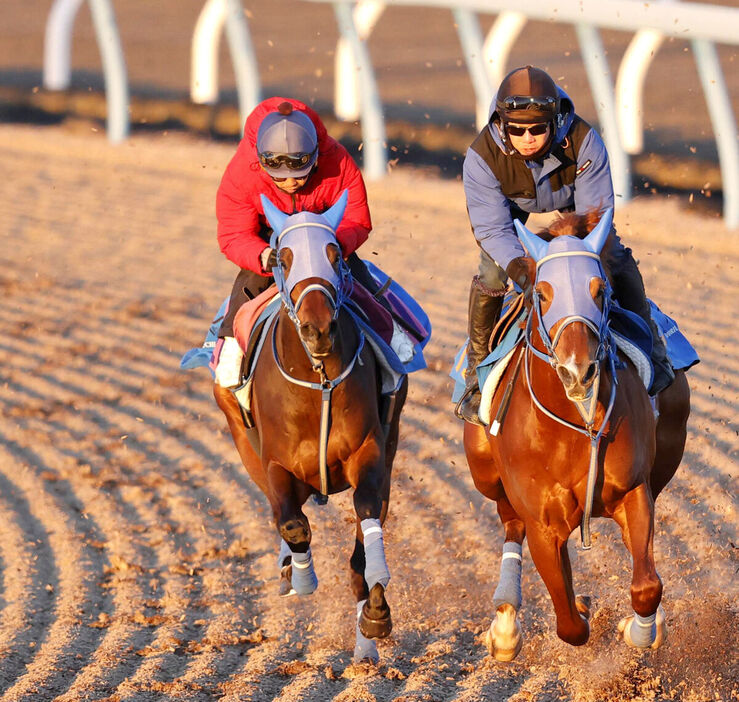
578	380
319	342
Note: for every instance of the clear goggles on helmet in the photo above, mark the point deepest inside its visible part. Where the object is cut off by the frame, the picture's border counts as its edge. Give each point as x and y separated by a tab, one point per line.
529	102
270	159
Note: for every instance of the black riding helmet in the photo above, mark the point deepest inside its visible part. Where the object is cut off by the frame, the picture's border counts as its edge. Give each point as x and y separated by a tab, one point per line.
527	96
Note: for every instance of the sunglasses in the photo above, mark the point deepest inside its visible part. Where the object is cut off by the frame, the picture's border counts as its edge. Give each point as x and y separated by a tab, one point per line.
529	102
270	159
533	129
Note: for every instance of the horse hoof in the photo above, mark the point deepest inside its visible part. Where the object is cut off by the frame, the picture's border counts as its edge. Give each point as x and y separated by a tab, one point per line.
295	531
286	586
624	631
375	621
582	603
504	639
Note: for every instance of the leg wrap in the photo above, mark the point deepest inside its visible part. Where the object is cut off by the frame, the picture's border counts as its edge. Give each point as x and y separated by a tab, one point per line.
643	630
364	648
304	580
285	553
509	585
375	569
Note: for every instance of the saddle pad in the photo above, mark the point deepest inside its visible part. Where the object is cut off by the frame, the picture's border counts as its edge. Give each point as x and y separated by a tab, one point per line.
680	351
248	314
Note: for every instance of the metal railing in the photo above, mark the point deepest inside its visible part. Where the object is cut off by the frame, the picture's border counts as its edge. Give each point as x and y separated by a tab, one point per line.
357	96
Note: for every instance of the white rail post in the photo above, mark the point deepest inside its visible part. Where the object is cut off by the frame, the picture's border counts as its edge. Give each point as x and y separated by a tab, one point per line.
57	71
630	88
599	76
724	125
470	36
204	53
114	68
346	87
243	58
374	145
498	44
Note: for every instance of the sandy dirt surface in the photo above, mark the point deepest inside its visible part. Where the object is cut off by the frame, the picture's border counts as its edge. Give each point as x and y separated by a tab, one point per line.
138	562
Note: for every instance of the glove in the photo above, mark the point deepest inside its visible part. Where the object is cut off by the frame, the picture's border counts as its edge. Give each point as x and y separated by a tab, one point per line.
268	259
520	271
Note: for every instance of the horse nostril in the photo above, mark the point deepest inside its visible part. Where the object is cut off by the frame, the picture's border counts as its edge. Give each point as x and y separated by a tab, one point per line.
565	376
590	374
308	331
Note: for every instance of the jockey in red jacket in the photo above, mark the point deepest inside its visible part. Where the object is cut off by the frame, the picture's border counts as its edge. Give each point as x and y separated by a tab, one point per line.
286	155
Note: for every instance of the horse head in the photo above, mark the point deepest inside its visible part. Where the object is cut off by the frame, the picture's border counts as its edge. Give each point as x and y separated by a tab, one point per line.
571	299
311	274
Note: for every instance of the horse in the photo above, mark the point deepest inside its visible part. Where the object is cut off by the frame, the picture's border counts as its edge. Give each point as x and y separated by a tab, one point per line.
322	424
579	438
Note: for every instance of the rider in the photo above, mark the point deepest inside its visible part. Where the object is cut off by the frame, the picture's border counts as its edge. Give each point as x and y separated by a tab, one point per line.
535	155
286	155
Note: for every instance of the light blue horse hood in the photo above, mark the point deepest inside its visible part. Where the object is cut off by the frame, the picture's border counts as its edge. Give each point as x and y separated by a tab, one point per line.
566	106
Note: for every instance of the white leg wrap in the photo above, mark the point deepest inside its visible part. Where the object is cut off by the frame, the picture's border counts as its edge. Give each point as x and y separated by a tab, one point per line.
643	630
284	553
509	585
304	580
364	648
375	569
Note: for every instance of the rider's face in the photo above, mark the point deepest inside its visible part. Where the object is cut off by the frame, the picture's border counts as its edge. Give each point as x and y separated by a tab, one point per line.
527	144
290	185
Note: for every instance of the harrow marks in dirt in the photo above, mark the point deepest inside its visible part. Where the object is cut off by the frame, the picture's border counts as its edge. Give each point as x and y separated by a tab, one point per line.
138	562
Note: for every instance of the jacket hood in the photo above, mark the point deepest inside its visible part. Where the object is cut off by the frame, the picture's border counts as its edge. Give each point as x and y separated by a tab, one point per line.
325	143
566	112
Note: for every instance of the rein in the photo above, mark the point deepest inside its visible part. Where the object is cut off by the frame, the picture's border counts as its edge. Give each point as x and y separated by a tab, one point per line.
604	352
325	384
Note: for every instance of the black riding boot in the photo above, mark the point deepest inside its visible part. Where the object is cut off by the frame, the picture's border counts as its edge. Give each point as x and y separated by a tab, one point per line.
483	315
628	288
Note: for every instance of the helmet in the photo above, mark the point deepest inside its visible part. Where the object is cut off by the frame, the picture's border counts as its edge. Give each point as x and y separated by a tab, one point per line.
287	143
527	95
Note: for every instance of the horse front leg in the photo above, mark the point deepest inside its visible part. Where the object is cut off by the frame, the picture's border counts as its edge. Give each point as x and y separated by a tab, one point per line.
548	547
287	496
647	627
504	638
371	495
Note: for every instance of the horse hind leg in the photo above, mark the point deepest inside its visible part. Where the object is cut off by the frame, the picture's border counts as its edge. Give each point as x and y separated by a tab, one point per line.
647	627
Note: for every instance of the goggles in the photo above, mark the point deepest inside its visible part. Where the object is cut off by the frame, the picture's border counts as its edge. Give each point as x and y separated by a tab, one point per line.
270	159
533	129
529	102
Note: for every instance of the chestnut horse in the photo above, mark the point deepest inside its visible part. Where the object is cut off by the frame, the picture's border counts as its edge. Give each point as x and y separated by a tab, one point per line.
322	423
579	438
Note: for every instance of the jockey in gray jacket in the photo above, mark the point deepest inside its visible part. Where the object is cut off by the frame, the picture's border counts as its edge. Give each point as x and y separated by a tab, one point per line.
535	155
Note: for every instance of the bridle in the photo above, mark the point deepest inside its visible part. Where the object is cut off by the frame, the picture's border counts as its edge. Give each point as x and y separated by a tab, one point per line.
310	260
605	352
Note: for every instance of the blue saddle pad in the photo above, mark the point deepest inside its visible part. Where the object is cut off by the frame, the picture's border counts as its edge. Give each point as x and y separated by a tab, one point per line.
680	351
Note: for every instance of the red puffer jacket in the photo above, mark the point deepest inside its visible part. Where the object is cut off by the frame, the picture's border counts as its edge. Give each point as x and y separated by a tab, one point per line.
239	210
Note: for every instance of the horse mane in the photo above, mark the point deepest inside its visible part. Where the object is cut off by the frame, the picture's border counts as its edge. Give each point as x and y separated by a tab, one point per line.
579	225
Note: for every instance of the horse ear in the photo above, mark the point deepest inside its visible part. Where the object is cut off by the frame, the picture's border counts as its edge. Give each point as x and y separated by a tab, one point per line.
597	238
334	213
275	217
536	247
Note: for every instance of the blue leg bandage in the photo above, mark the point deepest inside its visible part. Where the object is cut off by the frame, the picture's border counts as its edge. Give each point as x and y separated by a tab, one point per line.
364	648
285	553
304	580
509	585
375	569
643	630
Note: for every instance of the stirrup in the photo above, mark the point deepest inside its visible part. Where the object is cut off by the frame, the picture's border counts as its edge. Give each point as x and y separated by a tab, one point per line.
467	397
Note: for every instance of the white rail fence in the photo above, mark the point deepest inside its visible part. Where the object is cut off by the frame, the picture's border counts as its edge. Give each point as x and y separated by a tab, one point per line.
356	95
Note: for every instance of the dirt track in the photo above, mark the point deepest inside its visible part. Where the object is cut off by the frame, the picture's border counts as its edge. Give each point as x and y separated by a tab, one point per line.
137	560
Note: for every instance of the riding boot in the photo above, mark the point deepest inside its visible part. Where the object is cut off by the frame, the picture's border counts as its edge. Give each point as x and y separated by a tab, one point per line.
629	291
483	315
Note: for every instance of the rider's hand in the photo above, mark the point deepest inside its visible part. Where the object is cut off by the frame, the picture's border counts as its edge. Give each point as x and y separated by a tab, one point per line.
521	271
268	259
